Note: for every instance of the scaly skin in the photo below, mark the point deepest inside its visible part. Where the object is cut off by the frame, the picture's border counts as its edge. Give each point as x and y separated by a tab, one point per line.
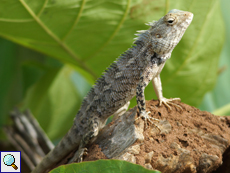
125	78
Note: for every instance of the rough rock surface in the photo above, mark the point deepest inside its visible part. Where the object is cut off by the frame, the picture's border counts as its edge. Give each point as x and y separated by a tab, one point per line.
188	141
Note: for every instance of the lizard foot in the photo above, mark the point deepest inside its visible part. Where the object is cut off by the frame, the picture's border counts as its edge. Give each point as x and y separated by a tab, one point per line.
78	156
80	153
168	103
147	118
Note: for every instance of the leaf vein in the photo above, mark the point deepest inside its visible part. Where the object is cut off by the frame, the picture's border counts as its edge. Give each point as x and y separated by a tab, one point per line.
76	21
42	9
166	6
52	35
16	20
114	33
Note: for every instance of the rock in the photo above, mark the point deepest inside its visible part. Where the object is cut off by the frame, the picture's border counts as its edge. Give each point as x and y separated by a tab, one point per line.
188	141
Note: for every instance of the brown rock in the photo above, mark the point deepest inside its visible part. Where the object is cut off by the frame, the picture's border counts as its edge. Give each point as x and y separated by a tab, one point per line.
188	141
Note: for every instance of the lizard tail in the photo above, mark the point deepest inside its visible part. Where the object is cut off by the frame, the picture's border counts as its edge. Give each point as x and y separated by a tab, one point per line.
68	143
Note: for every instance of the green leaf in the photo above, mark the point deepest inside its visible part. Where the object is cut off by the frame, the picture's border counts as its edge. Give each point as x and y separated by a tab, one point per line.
10	84
55	99
19	69
105	166
8	69
225	110
217	101
91	34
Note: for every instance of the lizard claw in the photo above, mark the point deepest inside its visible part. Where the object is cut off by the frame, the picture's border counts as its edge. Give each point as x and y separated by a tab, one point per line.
168	102
78	156
85	152
147	118
80	153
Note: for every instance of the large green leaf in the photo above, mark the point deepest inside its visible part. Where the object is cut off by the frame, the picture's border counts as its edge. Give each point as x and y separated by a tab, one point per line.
91	34
8	69
19	69
193	67
217	101
105	166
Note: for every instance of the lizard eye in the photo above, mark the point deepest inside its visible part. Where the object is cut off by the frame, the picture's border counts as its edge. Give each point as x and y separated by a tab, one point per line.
171	20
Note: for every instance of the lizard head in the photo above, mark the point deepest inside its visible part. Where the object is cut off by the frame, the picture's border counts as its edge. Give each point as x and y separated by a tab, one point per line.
168	31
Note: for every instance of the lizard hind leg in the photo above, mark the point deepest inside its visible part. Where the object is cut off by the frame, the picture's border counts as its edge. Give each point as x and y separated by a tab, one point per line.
86	139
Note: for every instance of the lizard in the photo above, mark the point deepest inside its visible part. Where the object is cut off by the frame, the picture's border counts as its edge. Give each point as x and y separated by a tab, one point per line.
124	79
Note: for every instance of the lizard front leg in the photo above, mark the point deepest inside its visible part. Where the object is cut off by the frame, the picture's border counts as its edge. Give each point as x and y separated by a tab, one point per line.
140	97
158	90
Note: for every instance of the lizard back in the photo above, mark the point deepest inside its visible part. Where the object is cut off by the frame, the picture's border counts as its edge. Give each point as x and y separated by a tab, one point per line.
114	88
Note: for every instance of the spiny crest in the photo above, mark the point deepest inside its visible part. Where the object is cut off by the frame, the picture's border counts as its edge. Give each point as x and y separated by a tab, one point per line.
151	23
101	80
140	32
143	34
113	67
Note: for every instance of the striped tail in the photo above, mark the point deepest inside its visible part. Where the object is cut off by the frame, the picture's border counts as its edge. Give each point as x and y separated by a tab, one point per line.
68	143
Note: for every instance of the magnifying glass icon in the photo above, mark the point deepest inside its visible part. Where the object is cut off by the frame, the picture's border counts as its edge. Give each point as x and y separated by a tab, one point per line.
9	160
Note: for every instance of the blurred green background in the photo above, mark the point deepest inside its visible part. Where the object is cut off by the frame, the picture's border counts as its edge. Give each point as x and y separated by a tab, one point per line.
52	51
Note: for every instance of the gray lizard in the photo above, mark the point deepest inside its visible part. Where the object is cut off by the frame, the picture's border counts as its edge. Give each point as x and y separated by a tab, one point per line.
125	78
